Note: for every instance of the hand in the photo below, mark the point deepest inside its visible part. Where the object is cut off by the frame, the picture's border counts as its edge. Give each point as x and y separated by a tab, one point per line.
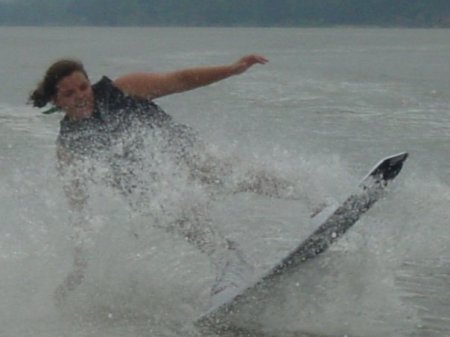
247	61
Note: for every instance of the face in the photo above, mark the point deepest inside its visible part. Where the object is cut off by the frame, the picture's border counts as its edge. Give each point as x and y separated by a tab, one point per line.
74	95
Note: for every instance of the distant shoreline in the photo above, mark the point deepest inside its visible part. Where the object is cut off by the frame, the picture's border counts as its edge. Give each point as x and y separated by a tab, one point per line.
230	26
227	13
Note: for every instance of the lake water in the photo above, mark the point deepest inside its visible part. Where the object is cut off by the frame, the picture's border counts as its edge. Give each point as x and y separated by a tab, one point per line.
328	105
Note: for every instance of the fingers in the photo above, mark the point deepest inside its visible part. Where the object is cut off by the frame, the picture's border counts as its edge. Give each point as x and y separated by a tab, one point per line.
247	61
253	59
259	59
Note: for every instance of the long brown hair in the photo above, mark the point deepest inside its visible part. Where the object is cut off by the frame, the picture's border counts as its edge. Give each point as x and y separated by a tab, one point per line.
47	87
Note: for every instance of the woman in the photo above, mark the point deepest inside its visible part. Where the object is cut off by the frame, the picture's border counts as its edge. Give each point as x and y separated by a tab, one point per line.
108	121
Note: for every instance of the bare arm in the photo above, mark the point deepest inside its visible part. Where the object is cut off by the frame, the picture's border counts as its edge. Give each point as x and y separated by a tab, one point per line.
76	195
74	188
154	85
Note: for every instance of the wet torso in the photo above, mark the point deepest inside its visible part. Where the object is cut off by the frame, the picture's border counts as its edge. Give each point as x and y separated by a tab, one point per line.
117	120
123	135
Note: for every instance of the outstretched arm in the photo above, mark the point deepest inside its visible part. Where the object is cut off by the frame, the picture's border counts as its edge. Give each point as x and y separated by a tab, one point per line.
154	85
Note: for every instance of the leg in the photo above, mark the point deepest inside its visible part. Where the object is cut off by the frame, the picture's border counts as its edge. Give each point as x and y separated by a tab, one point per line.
212	170
230	175
231	269
263	183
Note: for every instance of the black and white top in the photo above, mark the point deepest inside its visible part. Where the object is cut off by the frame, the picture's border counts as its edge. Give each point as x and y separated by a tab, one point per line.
118	117
117	133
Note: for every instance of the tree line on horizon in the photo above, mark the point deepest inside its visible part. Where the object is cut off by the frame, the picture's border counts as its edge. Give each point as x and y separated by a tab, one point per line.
282	13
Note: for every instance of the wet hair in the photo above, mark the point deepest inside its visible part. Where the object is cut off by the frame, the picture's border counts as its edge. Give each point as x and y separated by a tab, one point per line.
55	73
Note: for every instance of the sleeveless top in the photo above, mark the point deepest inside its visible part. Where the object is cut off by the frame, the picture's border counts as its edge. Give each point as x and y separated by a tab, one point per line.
119	120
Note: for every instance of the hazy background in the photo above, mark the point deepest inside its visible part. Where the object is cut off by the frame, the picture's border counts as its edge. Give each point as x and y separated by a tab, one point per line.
386	13
331	102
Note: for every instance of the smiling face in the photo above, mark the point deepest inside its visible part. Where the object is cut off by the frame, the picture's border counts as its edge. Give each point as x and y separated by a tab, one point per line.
74	95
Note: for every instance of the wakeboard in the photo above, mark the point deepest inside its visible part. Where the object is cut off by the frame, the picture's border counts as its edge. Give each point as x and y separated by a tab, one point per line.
370	190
